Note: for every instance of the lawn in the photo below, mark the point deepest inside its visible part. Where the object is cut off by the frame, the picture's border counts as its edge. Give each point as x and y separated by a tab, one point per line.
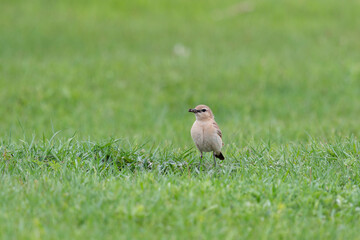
95	134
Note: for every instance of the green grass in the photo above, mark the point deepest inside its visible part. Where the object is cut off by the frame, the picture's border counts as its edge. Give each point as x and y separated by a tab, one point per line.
75	189
282	77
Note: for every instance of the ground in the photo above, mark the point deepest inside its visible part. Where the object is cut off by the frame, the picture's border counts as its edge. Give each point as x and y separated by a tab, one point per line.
95	134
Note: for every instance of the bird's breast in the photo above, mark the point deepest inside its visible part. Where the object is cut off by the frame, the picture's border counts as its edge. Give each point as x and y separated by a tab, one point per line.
205	137
197	133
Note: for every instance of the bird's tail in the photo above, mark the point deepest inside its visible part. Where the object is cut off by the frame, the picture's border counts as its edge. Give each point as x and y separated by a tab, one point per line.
219	156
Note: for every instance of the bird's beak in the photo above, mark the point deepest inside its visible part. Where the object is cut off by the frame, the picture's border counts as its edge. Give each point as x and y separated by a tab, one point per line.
192	110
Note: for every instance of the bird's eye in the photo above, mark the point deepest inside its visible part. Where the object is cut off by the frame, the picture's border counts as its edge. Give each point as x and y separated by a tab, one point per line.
203	110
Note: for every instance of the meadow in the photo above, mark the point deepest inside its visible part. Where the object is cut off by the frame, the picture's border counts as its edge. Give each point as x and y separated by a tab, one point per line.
95	134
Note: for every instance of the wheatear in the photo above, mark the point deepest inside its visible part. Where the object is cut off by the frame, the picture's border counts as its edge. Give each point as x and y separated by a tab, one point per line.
206	133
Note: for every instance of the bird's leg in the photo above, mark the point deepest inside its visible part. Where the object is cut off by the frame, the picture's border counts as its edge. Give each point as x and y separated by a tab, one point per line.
201	156
214	160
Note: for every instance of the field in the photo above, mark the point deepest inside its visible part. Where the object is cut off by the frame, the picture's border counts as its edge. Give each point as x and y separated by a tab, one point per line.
95	134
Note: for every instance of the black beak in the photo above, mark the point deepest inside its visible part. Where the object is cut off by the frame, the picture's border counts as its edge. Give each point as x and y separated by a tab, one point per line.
192	110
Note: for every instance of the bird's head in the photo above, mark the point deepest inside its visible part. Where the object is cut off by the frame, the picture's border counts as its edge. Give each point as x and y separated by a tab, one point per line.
202	112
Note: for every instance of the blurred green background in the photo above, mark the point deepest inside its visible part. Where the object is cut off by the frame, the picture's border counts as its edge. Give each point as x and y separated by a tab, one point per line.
279	70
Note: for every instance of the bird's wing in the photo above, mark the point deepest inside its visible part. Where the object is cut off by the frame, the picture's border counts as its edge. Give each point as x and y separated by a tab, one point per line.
218	131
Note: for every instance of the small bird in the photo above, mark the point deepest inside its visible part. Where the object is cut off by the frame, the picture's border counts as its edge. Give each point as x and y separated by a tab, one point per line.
206	133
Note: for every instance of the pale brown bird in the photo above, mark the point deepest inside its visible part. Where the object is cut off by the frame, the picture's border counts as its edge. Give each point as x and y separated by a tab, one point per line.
206	133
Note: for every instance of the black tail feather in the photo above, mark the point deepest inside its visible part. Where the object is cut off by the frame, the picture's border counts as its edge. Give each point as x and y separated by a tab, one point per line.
220	156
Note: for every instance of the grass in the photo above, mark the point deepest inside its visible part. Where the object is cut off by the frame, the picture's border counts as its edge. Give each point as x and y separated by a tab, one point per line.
102	69
94	128
76	189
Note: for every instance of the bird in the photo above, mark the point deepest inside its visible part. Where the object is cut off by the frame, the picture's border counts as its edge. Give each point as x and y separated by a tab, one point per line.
205	133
